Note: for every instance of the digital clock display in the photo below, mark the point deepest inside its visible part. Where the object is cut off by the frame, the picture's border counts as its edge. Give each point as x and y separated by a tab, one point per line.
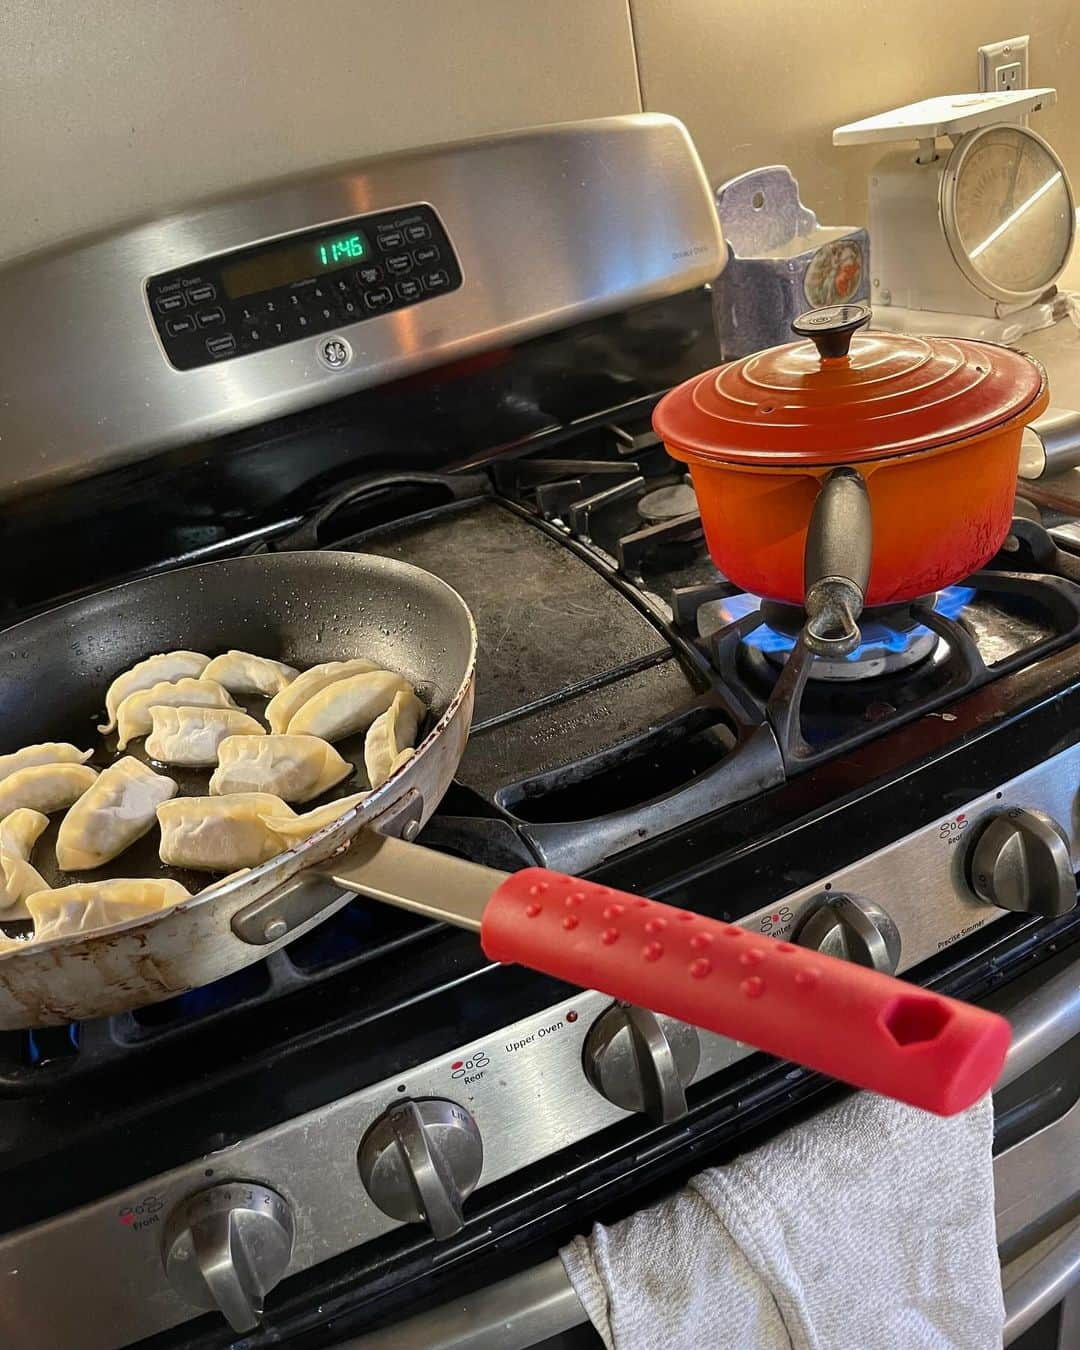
341	250
289	263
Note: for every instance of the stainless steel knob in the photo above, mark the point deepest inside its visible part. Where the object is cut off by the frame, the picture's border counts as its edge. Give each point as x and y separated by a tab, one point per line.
853	928
227	1247
1022	861
641	1061
422	1160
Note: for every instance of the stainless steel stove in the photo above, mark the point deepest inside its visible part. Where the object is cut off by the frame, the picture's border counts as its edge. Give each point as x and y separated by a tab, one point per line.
913	808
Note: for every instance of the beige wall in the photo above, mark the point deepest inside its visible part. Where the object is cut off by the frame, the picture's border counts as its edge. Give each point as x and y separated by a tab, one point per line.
765	81
115	108
111	109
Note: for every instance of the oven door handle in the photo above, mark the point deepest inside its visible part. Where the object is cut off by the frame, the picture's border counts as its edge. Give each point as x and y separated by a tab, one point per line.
1042	1023
525	1309
513	1314
1032	1294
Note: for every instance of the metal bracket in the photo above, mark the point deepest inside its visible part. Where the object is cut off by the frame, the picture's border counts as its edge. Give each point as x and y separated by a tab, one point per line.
402	818
310	896
292	906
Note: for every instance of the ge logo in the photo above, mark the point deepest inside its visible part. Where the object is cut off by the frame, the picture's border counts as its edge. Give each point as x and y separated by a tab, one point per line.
334	352
461	1067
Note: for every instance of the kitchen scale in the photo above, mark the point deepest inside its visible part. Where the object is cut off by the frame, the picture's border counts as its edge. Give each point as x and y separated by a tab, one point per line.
969	232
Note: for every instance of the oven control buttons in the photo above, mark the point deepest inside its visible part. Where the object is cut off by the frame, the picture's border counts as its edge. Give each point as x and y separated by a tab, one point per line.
1021	860
420	1161
852	928
641	1061
227	1247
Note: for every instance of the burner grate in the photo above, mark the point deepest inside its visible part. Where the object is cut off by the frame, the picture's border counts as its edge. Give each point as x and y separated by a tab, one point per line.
892	638
815	720
362	934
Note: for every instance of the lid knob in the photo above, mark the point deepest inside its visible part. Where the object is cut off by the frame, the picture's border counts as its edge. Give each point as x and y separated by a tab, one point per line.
831	328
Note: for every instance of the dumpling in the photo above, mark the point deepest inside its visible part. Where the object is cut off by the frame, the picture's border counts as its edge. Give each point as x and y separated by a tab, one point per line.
220	834
243	673
294	768
166	666
120	807
49	752
293	829
19	832
45	787
347	705
191	736
280	709
89	905
391	736
133	715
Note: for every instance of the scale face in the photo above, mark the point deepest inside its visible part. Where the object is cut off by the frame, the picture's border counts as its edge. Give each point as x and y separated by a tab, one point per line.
1007	211
973	226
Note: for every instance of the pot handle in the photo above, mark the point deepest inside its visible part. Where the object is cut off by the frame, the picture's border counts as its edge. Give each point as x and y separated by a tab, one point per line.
837	564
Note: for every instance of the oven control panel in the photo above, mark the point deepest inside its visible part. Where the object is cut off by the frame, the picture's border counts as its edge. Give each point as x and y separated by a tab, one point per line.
302	285
415	1147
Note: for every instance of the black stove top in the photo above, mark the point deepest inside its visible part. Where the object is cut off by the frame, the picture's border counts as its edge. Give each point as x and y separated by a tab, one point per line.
636	718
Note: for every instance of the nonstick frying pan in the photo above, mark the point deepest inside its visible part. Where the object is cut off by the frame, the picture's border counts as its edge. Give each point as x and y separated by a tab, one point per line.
850	1022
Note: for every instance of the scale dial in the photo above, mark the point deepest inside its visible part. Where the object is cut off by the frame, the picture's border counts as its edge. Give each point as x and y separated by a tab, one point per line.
1008	212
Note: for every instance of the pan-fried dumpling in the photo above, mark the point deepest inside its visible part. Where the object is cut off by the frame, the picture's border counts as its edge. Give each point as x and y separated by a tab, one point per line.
19	832
293	829
133	715
220	834
89	905
191	736
165	667
49	752
347	706
391	736
280	709
243	673
45	787
294	768
120	807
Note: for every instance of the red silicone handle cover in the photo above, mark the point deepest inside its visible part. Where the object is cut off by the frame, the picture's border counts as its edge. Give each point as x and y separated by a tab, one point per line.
852	1023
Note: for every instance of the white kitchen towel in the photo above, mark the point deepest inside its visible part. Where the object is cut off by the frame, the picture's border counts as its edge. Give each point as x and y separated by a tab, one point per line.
870	1227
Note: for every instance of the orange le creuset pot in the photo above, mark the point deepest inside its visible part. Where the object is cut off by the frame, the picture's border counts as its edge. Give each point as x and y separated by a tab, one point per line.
854	468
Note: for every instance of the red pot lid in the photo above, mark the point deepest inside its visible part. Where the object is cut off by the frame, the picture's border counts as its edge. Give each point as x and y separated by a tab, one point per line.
845	397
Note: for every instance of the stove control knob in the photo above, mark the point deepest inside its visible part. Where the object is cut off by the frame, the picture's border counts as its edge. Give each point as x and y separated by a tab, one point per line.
853	928
421	1161
641	1061
227	1247
1022	861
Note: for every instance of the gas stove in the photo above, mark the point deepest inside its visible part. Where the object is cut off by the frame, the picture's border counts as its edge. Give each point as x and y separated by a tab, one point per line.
637	718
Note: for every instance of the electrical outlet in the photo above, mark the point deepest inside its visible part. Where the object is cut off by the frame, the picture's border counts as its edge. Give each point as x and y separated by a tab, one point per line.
1009	77
1003	66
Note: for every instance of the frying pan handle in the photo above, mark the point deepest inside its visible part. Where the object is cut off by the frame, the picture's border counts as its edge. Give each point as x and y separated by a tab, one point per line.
844	1020
837	563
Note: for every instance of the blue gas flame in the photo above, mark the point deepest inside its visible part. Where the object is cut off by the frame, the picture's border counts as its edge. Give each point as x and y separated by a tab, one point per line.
877	637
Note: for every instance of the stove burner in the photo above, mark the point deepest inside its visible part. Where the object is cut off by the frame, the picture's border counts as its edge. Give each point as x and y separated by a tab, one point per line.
667	503
892	640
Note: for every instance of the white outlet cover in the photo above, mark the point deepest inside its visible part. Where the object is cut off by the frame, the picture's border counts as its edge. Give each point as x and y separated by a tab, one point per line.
1009	52
946	115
